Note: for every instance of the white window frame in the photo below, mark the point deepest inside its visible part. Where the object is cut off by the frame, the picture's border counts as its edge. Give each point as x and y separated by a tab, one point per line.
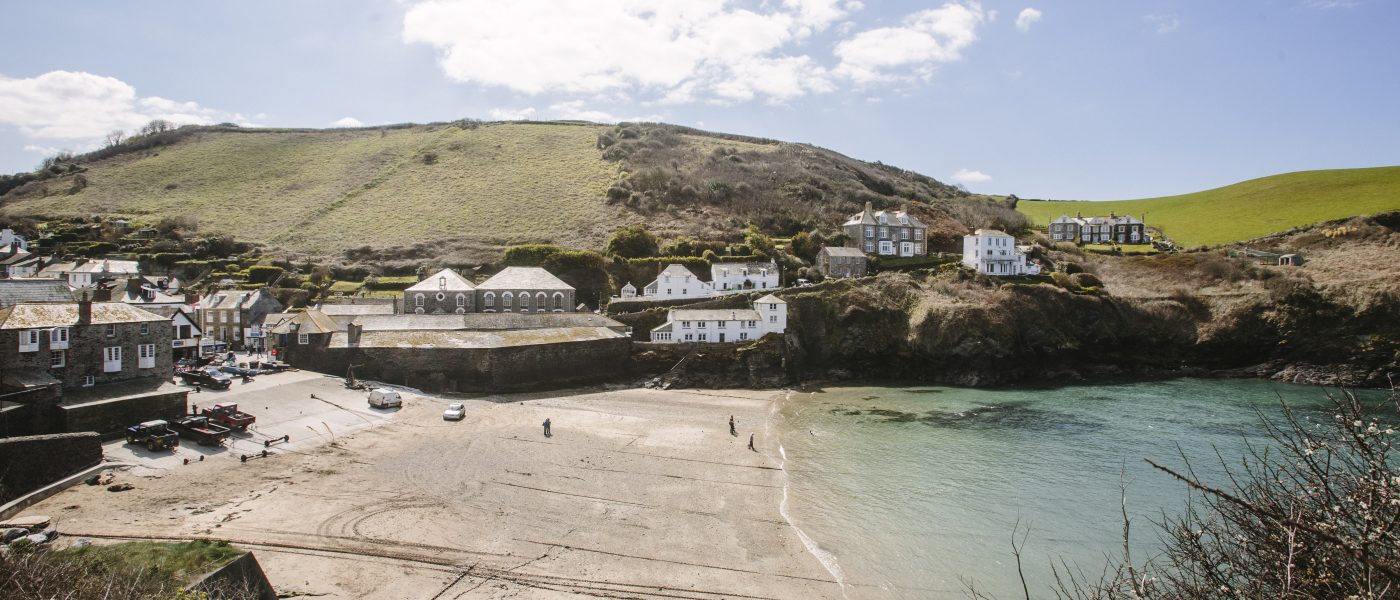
111	330
461	300
58	359
489	300
418	300
112	359
145	356
58	338
886	247
303	339
145	329
440	296
29	340
89	381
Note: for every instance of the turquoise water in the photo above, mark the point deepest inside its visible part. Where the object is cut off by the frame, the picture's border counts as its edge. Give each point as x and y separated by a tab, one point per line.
907	491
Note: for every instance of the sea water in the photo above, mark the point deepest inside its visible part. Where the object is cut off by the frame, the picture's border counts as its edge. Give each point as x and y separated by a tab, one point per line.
916	492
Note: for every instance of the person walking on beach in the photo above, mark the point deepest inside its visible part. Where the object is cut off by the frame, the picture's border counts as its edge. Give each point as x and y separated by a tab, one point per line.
732	431
751	443
546	429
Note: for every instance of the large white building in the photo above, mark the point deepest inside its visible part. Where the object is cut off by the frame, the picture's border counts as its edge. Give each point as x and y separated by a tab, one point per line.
729	278
993	252
676	281
719	325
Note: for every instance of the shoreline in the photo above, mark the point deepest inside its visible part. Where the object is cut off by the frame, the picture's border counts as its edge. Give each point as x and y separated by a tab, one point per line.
637	490
827	559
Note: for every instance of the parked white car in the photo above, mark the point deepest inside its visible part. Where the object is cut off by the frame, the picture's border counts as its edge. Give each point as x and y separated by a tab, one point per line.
385	398
454	412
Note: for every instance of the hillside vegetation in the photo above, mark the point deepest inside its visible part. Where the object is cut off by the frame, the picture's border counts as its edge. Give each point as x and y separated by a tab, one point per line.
462	191
1248	209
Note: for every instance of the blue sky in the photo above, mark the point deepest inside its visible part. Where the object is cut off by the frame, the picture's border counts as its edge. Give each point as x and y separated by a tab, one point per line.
1047	99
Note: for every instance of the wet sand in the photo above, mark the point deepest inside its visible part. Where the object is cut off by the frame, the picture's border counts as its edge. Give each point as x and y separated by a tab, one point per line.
639	493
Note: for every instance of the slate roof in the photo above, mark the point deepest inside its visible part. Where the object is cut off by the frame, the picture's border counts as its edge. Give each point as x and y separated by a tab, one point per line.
16	291
453	280
347	310
124	291
42	316
524	278
311	321
770	299
107	266
484	321
992	232
675	270
843	251
715	314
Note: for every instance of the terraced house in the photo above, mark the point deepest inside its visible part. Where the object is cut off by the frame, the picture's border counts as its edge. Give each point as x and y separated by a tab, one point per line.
81	344
235	316
886	233
1099	230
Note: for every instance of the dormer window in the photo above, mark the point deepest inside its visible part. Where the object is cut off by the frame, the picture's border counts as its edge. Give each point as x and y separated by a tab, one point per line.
442	283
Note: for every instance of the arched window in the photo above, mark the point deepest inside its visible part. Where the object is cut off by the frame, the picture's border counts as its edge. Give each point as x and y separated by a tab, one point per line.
489	300
418	310
461	300
559	301
524	301
418	299
541	302
507	300
461	311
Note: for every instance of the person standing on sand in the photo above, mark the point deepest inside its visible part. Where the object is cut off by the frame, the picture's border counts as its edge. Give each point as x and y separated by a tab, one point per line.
751	443
732	431
546	429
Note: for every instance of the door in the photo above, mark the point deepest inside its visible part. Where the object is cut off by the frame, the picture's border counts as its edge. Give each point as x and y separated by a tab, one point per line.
721	337
112	359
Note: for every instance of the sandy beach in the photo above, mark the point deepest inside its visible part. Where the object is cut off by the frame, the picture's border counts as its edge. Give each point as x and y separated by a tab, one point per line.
638	493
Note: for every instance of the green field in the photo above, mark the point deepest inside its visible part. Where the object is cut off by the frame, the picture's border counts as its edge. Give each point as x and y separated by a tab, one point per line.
1249	209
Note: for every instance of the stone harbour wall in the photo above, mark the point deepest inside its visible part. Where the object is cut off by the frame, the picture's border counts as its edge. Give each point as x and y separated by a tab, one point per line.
31	462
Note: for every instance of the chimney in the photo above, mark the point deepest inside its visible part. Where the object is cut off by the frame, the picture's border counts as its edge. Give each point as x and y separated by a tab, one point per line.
869	207
352	333
102	294
84	310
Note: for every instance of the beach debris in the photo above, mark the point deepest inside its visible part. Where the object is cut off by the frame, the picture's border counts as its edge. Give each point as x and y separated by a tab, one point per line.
11	534
99	479
120	487
82	542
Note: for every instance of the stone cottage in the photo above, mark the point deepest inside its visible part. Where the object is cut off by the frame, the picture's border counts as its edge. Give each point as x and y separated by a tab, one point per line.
834	261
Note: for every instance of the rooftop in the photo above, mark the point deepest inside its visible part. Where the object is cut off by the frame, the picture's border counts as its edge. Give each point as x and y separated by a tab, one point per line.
346	310
461	338
445	280
843	251
484	321
42	316
524	278
16	291
715	314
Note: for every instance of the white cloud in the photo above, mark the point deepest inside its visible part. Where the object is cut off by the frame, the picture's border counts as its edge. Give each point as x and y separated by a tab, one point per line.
1163	23
1326	4
576	110
512	114
1026	18
44	150
965	176
920	43
66	105
672	52
347	122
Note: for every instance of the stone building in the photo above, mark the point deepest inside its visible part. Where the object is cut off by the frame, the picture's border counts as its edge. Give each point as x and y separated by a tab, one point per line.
81	344
835	261
886	233
234	316
467	352
524	289
444	292
1079	229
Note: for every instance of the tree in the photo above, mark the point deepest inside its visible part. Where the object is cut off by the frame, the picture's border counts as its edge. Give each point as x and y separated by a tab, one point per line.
807	245
759	243
633	241
115	138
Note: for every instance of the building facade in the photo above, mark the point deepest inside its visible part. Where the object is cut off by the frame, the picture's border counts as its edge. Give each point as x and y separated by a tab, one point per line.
886	233
524	289
835	261
442	293
1117	229
82	344
676	282
729	278
716	326
993	252
235	316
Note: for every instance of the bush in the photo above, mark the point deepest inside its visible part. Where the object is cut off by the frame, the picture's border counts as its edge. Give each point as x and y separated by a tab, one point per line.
1086	280
263	274
633	241
530	255
1073	268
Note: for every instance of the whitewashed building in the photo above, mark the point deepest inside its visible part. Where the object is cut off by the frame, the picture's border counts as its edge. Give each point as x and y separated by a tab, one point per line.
728	278
993	252
8	239
676	282
721	325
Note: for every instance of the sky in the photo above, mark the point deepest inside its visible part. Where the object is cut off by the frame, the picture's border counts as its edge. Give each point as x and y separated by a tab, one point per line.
1062	99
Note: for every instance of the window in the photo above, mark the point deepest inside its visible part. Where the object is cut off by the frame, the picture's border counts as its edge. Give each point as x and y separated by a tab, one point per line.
489	300
146	356
442	283
702	337
461	300
145	328
903	234
29	340
884	232
89	381
869	246
701	324
57	359
418	299
886	247
743	335
919	249
685	324
58	338
440	296
773	319
524	301
869	231
689	337
558	300
111	359
223	316
303	338
507	300
111	330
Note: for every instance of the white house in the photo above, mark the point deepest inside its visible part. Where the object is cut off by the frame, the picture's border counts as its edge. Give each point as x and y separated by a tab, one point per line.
675	282
8	238
85	273
993	252
713	326
728	278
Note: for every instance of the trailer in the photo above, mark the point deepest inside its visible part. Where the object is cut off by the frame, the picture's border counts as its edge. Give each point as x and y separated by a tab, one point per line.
154	435
228	415
200	429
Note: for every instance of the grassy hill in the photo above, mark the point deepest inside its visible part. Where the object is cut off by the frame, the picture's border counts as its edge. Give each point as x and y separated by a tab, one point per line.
463	189
1248	209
